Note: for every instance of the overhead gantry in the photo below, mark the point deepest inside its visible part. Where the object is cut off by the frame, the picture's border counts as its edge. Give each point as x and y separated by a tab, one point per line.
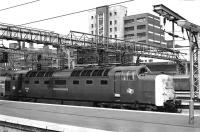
81	40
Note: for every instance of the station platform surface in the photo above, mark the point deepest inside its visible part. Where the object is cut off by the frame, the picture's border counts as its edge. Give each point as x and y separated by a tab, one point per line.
100	118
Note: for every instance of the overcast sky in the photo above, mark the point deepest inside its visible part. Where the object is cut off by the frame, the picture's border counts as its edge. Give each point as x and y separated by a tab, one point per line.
189	9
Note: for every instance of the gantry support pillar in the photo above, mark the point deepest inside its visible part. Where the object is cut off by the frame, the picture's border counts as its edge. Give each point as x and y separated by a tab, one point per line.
194	73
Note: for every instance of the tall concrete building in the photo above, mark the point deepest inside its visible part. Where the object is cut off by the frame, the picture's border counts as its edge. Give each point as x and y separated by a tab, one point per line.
113	22
144	28
108	21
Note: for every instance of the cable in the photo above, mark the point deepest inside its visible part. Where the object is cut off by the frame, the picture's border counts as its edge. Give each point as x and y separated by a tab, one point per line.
18	5
46	19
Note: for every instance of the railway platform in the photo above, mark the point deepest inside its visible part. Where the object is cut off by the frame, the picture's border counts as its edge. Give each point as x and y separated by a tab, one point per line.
99	119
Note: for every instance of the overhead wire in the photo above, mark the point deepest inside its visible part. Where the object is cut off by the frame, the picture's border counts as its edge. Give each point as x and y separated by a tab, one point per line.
19	5
50	18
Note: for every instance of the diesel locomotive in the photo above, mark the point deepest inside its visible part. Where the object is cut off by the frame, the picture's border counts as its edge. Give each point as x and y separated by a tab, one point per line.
131	87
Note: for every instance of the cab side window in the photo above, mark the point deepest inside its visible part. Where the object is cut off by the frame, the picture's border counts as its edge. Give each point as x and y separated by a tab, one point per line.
143	71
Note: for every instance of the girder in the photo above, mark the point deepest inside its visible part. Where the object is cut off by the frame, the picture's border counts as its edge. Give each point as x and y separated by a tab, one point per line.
84	40
18	59
195	69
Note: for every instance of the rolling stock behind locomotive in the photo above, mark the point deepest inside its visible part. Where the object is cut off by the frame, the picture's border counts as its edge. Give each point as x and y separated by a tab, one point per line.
128	86
181	83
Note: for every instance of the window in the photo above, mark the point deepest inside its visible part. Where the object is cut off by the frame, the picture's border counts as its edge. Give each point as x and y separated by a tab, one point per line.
92	32
60	82
92	25
128	36
141	27
142	19
89	82
129	21
129	29
36	82
110	29
115	28
143	70
75	82
115	36
110	22
115	22
46	82
142	41
110	13
115	13
92	17
110	36
104	82
143	34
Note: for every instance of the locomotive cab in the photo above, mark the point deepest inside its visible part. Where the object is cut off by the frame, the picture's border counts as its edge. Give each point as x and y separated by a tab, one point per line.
16	83
165	93
4	85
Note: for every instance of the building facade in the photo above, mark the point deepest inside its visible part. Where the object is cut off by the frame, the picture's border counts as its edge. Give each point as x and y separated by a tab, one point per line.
107	21
113	22
144	28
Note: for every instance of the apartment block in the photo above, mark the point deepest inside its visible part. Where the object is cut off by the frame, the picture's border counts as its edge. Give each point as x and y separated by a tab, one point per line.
107	21
144	28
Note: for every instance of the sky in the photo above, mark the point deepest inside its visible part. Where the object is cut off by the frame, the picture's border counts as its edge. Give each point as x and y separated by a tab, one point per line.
42	9
189	9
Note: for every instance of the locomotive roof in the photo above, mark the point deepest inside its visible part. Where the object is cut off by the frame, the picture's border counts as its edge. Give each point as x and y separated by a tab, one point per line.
42	73
125	68
85	71
104	71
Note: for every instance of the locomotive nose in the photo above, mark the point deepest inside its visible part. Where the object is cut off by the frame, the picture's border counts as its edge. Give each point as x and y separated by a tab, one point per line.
168	89
164	88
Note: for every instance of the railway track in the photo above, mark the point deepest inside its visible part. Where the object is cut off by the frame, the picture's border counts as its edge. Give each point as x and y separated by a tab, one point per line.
184	96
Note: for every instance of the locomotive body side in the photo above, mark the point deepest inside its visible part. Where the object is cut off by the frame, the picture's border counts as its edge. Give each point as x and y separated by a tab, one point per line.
127	85
38	84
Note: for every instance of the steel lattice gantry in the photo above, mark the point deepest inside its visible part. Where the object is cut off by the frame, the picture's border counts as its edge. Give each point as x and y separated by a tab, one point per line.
83	40
193	32
195	63
19	59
